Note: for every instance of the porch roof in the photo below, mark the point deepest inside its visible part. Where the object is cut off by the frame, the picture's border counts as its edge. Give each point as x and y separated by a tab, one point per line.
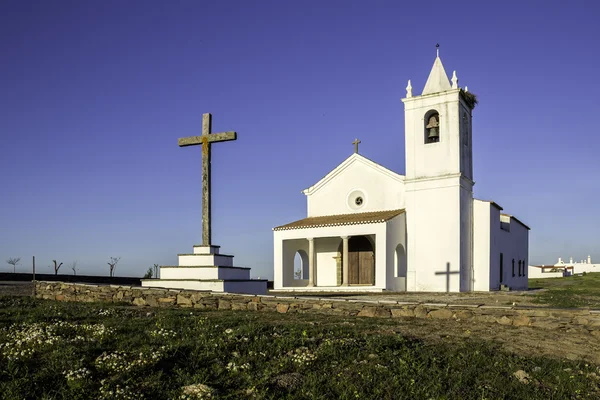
341	219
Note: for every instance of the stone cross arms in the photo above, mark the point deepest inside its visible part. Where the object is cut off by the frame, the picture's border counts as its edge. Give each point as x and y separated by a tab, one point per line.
205	140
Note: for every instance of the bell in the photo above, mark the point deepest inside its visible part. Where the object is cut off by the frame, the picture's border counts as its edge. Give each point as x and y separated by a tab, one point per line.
433	129
434	134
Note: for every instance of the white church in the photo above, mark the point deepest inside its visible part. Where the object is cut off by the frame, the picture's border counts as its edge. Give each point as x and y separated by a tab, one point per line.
371	229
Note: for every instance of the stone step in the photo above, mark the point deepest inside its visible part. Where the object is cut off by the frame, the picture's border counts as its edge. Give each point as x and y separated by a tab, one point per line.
204	249
203	272
248	286
208	260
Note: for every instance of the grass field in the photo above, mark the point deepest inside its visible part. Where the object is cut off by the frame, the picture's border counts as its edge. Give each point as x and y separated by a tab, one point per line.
52	350
569	292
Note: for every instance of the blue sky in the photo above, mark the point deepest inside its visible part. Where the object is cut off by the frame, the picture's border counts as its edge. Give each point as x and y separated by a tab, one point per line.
95	94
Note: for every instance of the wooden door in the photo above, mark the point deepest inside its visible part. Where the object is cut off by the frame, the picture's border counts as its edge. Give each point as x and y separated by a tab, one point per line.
366	268
361	261
353	267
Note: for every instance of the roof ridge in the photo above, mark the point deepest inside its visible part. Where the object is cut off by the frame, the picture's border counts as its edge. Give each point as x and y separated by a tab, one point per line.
364	217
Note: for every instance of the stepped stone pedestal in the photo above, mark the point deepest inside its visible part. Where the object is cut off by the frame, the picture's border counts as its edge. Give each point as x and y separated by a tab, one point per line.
206	269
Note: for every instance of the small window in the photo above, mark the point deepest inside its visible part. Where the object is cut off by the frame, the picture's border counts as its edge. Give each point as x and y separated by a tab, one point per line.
465	129
519	267
513	267
432	127
501	267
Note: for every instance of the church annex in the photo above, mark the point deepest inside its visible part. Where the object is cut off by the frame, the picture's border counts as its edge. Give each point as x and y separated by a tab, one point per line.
371	229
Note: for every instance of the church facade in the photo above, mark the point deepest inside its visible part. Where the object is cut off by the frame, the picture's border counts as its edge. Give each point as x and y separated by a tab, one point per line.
371	229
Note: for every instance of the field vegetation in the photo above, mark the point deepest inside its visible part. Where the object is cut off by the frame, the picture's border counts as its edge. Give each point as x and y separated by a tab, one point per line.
51	350
569	292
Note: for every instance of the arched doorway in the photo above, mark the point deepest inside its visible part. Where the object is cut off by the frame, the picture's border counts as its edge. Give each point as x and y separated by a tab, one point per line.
300	265
361	261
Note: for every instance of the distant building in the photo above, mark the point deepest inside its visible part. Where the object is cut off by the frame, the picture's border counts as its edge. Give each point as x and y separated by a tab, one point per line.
562	268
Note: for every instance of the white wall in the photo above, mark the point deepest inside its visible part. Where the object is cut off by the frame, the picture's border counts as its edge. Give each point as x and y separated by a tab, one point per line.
381	190
579	267
466	239
441	158
482	245
286	243
396	235
433	213
513	245
326	267
546	272
284	253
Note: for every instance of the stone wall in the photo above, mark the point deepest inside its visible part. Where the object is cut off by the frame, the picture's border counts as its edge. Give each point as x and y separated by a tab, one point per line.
547	318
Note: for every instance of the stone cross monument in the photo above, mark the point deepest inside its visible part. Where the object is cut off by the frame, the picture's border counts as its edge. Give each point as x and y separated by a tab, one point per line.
205	140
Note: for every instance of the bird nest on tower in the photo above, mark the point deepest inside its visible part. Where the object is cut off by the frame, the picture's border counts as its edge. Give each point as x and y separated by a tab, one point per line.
470	98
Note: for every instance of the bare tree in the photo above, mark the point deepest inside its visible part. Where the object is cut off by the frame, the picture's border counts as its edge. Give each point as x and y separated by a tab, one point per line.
73	266
56	267
156	270
112	264
148	274
14	262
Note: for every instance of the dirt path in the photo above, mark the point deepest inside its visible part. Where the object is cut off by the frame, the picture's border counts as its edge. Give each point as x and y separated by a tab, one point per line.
569	342
16	288
521	298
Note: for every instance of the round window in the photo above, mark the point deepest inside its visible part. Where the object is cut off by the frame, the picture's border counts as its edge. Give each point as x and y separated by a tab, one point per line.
356	199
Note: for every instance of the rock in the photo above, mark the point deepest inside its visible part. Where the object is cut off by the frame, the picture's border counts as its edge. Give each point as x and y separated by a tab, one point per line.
595	333
382	312
166	300
504	320
402	313
420	312
463	314
238	305
253	306
443	313
182	300
224	305
138	301
288	382
59	297
283	308
367	312
522	320
199	391
522	376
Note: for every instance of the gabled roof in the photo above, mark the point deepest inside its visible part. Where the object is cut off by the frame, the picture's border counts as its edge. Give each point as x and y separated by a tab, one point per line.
438	80
372	217
492	202
512	217
345	164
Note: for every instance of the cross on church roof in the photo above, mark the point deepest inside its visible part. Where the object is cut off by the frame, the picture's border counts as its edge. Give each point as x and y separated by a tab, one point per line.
356	143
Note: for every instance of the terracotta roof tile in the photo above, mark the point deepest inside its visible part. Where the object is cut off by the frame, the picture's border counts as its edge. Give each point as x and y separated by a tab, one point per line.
341	219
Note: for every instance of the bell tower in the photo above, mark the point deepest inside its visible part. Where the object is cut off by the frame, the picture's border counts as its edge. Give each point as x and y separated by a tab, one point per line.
439	184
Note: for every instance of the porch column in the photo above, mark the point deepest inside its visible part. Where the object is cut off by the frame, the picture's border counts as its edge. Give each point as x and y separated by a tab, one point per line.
345	260
311	262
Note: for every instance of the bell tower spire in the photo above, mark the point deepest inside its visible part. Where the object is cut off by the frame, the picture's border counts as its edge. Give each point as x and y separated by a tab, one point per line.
439	182
438	79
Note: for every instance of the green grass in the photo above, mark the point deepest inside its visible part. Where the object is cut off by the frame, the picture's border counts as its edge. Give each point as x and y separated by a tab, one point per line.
569	292
97	351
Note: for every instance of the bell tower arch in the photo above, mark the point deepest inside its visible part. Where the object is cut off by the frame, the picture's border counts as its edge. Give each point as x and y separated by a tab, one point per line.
439	184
